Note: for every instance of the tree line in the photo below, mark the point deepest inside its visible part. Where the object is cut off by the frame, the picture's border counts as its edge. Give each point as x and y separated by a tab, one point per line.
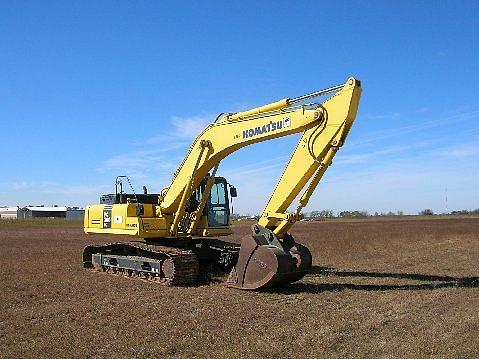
327	213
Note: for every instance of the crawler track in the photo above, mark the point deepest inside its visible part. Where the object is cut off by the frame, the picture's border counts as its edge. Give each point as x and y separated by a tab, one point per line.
174	266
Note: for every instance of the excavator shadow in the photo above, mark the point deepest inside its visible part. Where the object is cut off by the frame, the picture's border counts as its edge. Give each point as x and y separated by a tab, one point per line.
432	282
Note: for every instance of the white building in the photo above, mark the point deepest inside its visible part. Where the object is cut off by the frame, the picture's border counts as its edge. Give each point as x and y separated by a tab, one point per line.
41	212
10	212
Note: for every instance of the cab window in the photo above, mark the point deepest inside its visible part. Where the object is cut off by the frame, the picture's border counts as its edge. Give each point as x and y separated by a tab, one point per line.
218	194
218	209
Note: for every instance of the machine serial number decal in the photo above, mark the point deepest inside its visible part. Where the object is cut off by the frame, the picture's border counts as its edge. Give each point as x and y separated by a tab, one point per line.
271	126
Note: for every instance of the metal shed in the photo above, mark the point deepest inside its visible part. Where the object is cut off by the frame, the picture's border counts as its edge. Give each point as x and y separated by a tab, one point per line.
44	212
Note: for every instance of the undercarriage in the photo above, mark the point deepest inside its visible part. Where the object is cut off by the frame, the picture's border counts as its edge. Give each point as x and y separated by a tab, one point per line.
261	261
190	260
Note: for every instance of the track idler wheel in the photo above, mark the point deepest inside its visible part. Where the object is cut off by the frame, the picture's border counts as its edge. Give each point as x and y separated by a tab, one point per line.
265	261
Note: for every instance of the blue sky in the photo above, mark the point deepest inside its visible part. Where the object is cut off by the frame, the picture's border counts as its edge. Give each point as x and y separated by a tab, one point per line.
90	90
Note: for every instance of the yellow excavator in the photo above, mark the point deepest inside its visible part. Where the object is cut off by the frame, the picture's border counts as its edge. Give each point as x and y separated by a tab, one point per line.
176	229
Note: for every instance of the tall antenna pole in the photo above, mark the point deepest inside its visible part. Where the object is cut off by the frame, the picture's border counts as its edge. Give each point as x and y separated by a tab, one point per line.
447	211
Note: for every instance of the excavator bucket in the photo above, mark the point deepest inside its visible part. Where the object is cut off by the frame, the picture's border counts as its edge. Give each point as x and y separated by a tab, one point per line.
265	261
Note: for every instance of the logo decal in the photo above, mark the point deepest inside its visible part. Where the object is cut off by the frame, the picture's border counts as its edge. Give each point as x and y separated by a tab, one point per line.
271	126
106	218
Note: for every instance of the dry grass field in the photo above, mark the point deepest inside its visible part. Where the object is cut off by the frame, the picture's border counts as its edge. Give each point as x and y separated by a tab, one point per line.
379	288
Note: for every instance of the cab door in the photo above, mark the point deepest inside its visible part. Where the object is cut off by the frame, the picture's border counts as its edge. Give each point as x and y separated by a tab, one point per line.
218	208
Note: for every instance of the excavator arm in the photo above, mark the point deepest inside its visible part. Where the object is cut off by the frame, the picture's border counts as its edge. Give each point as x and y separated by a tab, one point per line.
313	155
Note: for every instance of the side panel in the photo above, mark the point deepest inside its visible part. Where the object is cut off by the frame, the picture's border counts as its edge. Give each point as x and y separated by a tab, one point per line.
122	219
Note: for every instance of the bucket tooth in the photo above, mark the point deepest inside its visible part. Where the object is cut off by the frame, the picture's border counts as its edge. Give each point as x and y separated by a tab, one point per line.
265	261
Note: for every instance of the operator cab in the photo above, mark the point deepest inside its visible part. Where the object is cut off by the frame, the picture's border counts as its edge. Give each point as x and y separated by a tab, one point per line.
217	207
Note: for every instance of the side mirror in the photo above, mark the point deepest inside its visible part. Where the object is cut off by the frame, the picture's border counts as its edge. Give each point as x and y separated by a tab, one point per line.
233	192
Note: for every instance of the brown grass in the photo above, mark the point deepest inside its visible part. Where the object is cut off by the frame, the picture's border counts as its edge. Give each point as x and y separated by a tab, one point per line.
391	288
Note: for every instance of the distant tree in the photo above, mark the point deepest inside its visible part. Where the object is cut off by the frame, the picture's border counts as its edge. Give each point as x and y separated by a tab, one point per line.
391	214
465	212
426	212
325	213
400	213
353	214
461	212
